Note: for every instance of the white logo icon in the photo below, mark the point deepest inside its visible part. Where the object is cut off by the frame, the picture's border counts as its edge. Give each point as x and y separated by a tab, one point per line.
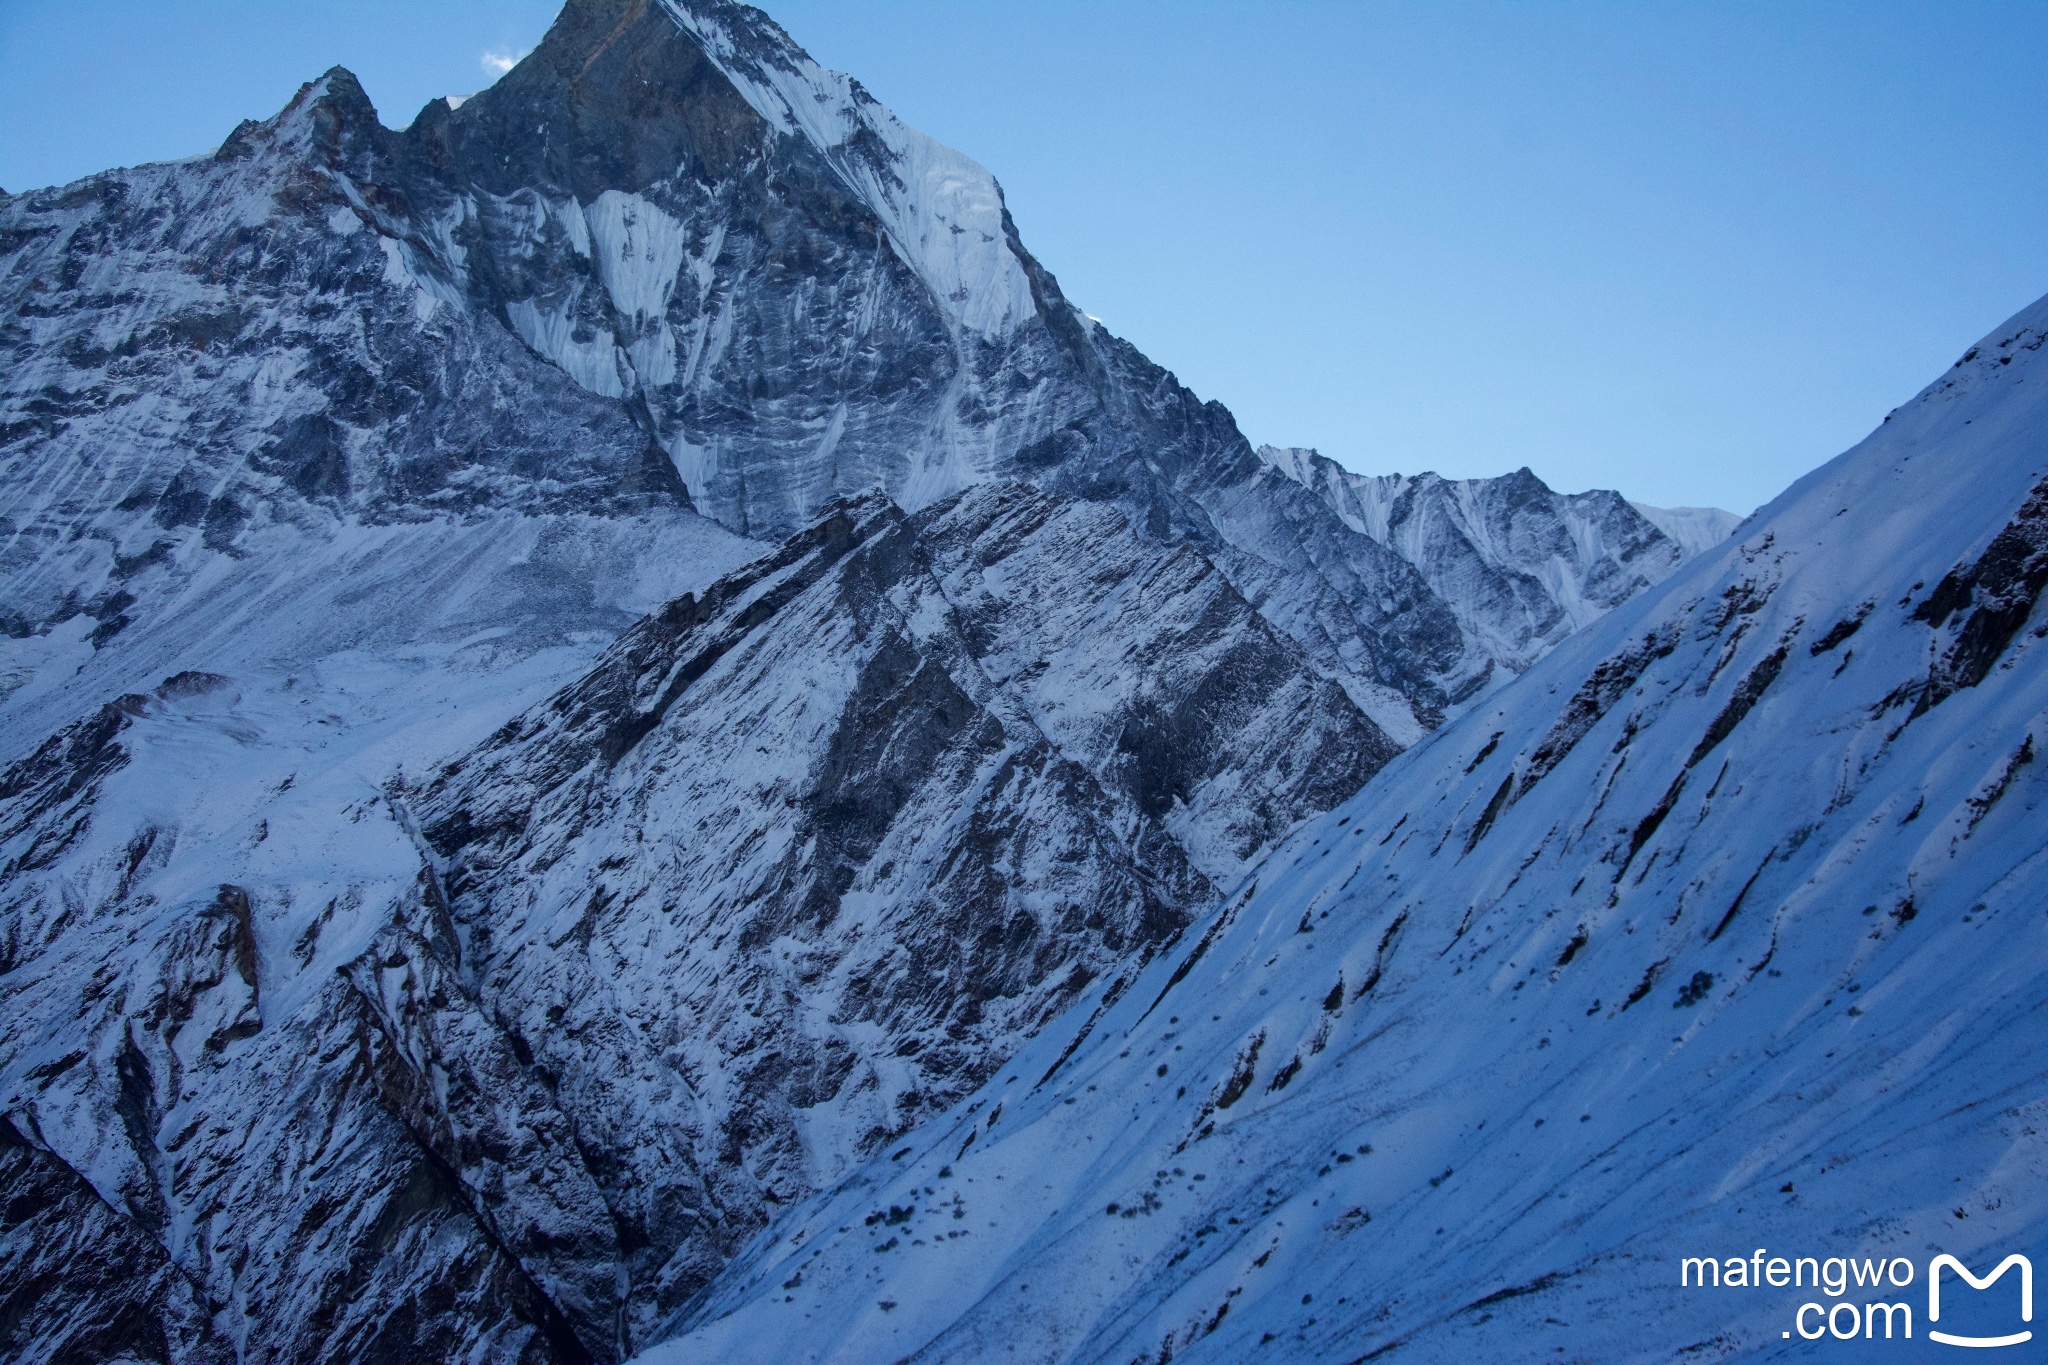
2026	1298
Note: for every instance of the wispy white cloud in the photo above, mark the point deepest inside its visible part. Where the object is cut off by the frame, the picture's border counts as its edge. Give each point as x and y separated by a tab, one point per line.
497	61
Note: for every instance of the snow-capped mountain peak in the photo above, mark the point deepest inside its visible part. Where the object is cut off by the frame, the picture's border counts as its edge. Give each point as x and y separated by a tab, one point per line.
1522	566
944	211
1719	929
575	670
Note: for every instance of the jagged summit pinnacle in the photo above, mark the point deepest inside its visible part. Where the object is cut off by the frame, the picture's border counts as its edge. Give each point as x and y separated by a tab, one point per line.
738	283
628	834
617	96
331	116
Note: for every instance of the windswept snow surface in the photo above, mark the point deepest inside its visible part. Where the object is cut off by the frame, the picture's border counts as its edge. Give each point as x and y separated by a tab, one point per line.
1695	529
1720	929
334	462
1520	565
724	279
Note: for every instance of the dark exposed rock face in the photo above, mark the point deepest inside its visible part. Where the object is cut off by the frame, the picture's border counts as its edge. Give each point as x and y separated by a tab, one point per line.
829	838
79	1281
618	97
47	796
334	1029
665	260
1992	600
800	861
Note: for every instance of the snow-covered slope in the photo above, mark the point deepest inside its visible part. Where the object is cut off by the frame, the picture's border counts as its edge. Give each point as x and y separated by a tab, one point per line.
801	859
343	455
1695	529
718	279
1520	565
1720	929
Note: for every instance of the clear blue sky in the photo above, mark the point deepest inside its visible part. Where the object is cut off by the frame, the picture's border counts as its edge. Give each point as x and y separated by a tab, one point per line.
1684	250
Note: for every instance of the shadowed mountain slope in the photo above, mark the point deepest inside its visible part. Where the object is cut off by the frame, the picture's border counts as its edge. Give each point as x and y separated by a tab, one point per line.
1721	929
574	671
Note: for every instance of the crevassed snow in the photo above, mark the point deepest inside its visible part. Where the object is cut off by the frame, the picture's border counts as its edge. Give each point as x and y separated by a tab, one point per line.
639	250
693	463
575	222
653	356
943	209
430	291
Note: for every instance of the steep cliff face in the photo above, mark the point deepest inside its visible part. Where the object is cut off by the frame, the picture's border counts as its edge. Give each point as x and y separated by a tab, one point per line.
667	262
802	859
1720	929
805	858
1520	566
605	656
